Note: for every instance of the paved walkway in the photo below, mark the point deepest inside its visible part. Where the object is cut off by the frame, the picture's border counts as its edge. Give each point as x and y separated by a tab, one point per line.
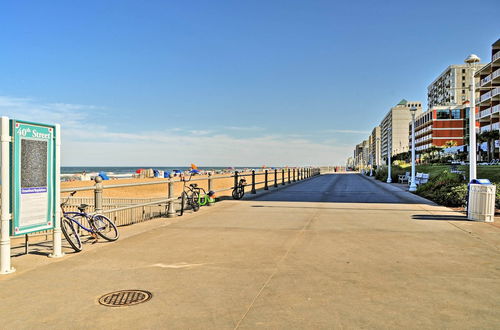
336	251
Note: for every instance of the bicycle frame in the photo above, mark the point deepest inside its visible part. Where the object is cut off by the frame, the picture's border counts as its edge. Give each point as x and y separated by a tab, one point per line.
83	214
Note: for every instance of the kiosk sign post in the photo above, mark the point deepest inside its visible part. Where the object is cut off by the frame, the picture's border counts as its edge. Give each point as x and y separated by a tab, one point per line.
30	176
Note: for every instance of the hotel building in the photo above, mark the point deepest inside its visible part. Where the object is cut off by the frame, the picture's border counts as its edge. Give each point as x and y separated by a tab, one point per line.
361	155
394	128
375	152
439	125
452	86
488	89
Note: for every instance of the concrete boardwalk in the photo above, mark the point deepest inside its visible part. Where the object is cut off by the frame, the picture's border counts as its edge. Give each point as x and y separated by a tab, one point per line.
336	251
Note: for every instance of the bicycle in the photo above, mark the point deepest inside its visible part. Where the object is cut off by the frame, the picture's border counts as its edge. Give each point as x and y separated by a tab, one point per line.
189	196
239	190
100	225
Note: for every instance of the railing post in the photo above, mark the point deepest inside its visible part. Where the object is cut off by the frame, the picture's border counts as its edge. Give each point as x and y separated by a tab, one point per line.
294	180
266	187
210	187
253	183
98	194
235	179
275	178
171	204
283	176
289	181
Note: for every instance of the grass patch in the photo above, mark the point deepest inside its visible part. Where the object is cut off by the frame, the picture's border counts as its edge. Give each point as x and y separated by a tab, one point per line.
444	187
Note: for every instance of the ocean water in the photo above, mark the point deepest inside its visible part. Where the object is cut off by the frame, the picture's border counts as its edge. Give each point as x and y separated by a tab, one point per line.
128	170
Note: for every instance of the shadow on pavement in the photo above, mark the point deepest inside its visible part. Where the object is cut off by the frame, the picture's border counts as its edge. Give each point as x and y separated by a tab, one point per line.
440	217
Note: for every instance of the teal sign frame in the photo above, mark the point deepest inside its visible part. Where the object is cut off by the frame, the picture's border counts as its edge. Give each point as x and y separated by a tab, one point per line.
33	177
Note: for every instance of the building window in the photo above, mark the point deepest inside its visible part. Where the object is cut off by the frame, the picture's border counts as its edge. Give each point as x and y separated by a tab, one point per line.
463	70
455	114
443	114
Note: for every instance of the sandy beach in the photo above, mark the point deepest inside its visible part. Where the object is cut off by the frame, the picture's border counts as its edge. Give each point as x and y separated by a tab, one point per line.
161	190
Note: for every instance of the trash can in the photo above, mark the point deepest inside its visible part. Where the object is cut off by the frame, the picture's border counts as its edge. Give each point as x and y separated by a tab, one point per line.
481	200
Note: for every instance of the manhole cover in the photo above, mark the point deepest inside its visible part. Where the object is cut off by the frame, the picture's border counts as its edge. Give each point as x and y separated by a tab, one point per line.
125	298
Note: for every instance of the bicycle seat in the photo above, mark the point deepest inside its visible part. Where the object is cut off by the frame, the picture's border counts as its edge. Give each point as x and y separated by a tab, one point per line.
82	207
194	185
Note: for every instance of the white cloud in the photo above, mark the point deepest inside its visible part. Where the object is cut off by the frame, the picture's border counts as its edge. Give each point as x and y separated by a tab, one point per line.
347	131
85	143
243	128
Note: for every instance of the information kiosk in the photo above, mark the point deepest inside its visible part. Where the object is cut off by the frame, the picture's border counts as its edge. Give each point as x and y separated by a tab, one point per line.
30	183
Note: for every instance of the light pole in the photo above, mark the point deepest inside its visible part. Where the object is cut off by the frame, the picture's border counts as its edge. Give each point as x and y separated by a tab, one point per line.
413	186
371	164
471	60
389	151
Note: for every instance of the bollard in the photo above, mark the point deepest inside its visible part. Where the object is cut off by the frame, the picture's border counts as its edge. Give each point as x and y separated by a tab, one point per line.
171	204
275	178
283	176
253	183
98	194
289	177
266	187
210	187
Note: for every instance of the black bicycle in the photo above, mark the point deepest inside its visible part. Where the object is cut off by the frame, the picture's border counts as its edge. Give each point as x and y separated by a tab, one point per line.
239	190
189	196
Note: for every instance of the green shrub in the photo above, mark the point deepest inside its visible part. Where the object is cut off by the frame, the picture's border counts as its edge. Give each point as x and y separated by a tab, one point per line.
381	173
446	189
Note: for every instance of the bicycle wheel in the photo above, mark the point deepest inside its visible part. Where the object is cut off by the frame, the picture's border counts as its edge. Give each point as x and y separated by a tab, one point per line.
104	227
194	201
238	193
71	235
184	202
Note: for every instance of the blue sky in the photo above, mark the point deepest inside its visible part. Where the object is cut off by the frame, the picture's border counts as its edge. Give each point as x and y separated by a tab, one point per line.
226	82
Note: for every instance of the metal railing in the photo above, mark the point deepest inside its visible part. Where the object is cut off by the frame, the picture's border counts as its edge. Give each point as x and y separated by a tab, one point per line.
125	211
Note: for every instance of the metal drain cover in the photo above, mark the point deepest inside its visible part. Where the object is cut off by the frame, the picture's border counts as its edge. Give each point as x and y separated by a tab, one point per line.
125	298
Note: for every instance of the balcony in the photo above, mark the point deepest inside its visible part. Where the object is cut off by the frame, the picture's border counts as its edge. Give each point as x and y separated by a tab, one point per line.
485	80
495	109
495	57
484	113
495	74
486	128
495	91
485	96
495	126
